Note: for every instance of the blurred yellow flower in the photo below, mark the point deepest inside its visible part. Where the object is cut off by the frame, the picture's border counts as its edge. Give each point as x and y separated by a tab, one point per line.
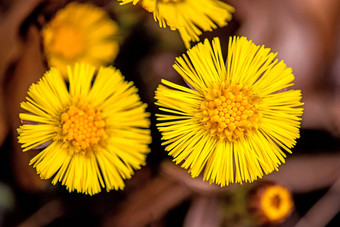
270	203
96	127
276	203
80	32
234	121
189	17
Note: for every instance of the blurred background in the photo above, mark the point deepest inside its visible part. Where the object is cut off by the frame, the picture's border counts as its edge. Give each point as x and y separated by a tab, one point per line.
306	35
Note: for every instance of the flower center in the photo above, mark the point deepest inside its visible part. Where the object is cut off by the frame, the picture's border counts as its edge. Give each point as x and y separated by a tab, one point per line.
276	201
68	42
82	126
170	1
230	112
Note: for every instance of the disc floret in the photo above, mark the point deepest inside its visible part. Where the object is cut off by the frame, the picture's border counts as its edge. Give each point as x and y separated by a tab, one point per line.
230	111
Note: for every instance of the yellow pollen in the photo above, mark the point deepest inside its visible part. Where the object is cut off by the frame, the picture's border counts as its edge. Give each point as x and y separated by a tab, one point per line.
82	126
230	112
68	42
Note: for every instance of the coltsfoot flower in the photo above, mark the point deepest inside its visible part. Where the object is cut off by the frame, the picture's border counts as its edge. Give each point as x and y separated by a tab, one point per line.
271	203
80	32
95	128
189	17
235	121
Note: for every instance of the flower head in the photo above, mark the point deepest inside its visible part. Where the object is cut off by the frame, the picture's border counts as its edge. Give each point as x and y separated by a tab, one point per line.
80	32
189	17
271	203
234	121
96	125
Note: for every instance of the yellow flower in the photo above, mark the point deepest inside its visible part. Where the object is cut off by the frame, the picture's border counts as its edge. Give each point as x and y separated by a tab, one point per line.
189	17
80	32
234	121
96	125
276	203
270	203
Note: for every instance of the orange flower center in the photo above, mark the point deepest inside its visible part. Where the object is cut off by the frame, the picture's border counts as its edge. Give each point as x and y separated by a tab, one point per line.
170	1
82	126
151	5
276	200
230	112
68	42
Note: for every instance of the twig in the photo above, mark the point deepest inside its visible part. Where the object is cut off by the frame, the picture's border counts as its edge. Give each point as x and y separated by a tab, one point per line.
45	215
305	173
204	211
150	203
324	210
